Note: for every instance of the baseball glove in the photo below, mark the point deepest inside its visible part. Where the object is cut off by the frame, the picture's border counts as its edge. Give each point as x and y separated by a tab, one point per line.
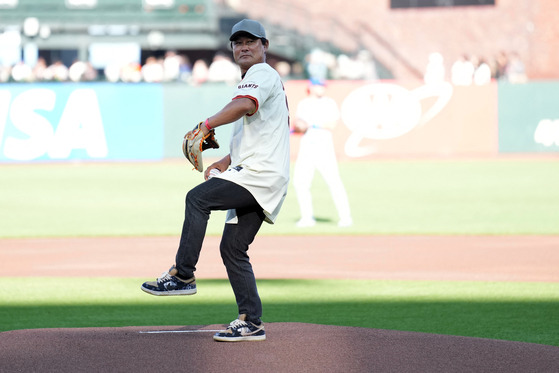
195	142
300	127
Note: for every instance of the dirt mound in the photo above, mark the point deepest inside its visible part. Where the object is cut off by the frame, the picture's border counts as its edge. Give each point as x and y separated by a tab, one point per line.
290	347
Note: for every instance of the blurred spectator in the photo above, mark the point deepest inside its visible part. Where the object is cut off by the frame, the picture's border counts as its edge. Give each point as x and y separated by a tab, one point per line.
223	69
112	72
77	71
317	65
435	71
344	67
39	69
502	63
361	66
515	71
57	71
462	71
90	73
284	69
297	70
185	69
131	73
22	72
5	73
482	74
367	65
152	71
171	66
199	72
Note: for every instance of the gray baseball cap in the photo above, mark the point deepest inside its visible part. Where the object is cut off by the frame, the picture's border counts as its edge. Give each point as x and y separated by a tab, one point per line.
249	26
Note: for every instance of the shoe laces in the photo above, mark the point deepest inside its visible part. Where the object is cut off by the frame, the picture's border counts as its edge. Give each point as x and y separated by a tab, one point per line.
235	324
165	276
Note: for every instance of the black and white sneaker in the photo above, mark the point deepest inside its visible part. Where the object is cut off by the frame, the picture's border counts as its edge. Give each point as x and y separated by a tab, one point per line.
170	284
241	330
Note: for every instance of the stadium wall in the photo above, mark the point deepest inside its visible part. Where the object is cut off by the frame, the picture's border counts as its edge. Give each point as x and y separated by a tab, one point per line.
119	122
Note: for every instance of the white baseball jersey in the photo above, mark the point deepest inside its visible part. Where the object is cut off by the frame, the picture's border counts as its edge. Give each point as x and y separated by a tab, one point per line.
318	112
260	142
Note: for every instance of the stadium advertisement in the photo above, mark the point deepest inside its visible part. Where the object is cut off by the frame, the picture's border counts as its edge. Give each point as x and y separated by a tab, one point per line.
409	118
114	122
61	122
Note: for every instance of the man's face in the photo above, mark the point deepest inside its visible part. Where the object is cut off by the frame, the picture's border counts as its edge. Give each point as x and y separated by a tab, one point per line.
248	51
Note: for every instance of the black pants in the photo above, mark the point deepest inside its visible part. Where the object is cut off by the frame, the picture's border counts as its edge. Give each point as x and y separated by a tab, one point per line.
219	194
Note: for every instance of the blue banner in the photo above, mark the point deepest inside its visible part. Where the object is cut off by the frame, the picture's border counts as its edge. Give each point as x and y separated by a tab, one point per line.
84	121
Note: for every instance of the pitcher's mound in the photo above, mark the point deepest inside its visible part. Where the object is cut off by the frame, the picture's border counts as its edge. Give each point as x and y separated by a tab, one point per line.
290	347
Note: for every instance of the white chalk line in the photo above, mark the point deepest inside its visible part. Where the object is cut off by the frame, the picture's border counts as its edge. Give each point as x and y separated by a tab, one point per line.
178	331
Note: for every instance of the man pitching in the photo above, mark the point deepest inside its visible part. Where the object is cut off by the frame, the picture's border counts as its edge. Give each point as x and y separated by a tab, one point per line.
251	184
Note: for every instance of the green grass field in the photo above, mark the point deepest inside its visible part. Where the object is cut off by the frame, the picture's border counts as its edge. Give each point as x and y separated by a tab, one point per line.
472	197
510	311
482	197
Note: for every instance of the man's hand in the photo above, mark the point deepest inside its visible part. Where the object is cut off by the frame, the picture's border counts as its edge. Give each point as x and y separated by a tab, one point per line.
220	165
195	142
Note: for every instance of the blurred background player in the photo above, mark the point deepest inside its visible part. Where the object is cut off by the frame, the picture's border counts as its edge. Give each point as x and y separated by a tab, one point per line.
316	116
